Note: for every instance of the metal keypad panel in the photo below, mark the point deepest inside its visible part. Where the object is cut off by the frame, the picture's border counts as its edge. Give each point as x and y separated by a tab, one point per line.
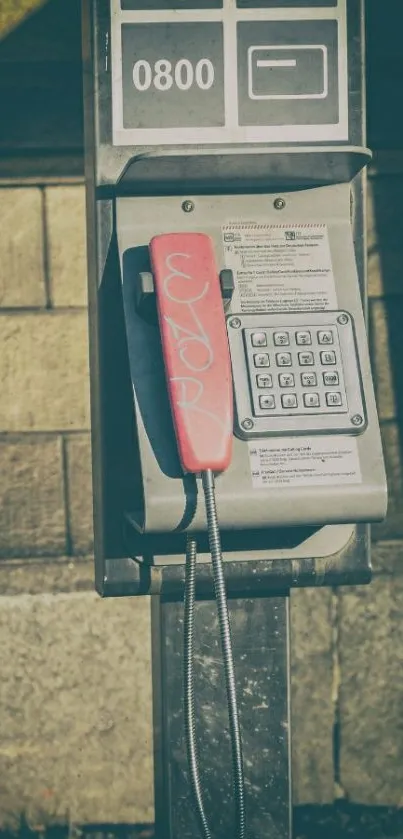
296	373
314	350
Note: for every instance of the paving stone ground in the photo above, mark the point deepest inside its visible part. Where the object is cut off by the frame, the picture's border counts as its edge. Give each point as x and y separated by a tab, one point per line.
342	821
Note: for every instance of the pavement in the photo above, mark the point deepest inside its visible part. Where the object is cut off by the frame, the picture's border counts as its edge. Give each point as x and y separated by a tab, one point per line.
342	821
348	821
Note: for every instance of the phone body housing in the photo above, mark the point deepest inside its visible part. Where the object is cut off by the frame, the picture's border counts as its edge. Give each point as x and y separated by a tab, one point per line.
143	505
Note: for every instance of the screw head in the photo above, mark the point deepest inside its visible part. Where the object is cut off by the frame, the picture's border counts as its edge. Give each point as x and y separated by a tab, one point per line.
357	419
235	323
343	319
247	424
188	206
279	203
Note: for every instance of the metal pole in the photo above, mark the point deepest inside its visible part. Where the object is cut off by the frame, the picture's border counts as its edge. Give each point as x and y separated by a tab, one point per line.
260	634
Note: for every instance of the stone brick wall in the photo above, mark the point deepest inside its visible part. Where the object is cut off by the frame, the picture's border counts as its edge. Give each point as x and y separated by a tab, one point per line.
75	700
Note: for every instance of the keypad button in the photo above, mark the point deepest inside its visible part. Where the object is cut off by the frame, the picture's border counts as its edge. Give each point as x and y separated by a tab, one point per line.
328	357
283	359
325	337
331	379
311	400
333	398
261	359
286	380
308	380
267	402
303	338
259	339
281	339
289	400
305	358
264	380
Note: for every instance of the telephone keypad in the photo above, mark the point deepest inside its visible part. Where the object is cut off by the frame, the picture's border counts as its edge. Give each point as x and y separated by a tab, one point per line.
264	380
262	359
314	391
314	382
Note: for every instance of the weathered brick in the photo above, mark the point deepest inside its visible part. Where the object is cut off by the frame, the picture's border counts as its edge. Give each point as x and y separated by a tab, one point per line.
22	281
392	527
65	213
386	337
32	511
49	575
65	747
371	692
44	371
75	709
387	557
312	689
80	493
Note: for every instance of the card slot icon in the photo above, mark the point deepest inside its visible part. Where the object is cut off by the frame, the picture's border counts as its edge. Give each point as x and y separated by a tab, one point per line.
288	71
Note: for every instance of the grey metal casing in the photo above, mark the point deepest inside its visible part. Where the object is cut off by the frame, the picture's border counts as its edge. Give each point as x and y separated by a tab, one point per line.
240	505
333	554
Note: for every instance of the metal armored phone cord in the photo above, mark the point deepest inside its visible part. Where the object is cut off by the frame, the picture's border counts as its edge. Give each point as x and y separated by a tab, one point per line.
188	683
226	645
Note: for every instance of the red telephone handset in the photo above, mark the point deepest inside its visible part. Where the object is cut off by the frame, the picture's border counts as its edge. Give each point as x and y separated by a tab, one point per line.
195	348
198	372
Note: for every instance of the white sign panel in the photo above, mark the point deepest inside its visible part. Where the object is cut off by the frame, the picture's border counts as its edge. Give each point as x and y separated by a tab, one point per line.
279	267
312	461
213	71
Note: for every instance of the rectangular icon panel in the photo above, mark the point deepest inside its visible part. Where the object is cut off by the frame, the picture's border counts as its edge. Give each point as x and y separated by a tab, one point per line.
285	4
291	78
172	75
169	5
288	72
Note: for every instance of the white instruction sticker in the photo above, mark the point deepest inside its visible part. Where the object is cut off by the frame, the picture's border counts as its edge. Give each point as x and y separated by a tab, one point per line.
313	461
279	267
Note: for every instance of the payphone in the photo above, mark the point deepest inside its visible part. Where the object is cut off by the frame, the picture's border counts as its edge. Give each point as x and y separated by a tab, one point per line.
233	412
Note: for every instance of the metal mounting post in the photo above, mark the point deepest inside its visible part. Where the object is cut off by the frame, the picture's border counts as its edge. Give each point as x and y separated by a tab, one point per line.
260	637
